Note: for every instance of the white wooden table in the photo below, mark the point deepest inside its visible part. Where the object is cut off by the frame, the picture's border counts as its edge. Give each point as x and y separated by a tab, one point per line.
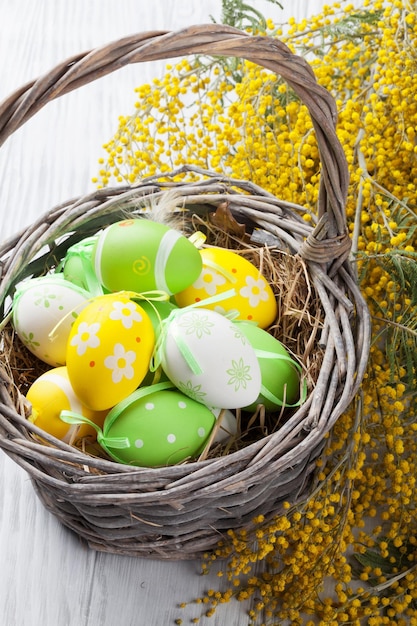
47	577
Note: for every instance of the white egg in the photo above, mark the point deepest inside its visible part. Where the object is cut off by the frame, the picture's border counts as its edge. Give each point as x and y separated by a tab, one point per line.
227	426
44	310
209	359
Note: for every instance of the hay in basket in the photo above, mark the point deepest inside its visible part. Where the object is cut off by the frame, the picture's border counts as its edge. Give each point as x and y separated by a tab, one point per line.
181	511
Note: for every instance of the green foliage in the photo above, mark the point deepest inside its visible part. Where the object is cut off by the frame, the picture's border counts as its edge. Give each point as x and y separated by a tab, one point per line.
243	16
399	314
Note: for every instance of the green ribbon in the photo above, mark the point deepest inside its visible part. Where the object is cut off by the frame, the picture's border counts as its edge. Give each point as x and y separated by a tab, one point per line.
221	270
83	251
71	417
265	354
182	345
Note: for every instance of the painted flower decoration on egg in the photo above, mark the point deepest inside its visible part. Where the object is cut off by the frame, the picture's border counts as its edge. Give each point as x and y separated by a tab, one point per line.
206	356
223	269
44	310
109	350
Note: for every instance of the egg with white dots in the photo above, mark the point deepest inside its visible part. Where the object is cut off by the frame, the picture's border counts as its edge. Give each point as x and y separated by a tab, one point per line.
222	270
154	428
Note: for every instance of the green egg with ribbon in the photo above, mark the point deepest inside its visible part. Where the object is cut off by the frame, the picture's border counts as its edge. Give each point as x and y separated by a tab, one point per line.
142	255
281	384
155	426
157	310
77	266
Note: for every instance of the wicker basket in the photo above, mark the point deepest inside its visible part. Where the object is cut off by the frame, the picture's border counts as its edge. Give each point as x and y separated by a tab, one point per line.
180	512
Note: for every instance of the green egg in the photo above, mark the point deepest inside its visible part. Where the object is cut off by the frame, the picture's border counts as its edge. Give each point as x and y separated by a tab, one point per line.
157	310
77	266
279	372
142	255
156	427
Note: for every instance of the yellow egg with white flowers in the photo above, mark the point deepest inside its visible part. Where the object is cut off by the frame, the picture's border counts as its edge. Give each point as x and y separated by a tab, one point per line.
109	350
252	298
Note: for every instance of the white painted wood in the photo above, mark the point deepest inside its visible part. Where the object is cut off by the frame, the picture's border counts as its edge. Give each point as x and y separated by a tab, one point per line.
47	577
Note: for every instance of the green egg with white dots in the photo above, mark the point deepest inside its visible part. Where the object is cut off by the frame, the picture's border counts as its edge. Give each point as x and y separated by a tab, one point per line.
156	427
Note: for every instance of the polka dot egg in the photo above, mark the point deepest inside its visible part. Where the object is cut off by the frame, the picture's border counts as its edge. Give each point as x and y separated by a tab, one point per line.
109	350
155	427
222	270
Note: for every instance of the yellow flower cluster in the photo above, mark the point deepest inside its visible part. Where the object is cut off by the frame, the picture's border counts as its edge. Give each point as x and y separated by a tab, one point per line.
359	526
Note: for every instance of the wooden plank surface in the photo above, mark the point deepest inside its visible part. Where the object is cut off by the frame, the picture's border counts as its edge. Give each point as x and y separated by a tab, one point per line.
47	577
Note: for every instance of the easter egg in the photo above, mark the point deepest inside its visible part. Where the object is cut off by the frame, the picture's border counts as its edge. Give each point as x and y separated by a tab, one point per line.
227	425
155	428
280	372
49	395
208	358
158	310
142	255
109	350
44	310
222	270
77	266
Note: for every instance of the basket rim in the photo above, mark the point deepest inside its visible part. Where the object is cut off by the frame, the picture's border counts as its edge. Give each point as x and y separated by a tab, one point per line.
207	39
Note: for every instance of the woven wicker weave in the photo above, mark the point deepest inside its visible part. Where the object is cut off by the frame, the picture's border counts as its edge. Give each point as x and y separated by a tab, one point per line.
179	512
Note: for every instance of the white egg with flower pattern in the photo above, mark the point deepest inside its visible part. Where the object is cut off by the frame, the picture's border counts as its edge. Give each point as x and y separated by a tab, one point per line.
44	310
109	350
209	359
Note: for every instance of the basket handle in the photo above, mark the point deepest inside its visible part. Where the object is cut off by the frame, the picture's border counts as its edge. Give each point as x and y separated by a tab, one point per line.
330	239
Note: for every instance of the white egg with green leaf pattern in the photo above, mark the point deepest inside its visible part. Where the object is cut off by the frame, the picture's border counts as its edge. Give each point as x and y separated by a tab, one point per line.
208	358
44	310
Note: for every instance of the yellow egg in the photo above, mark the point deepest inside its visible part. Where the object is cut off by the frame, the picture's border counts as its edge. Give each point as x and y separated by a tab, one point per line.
109	350
49	395
222	270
